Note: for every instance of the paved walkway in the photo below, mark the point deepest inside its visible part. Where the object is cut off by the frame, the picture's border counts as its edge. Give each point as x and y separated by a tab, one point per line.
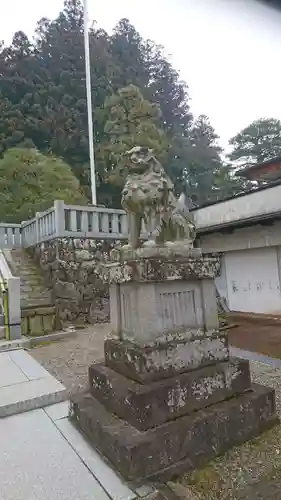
42	455
254	356
257	337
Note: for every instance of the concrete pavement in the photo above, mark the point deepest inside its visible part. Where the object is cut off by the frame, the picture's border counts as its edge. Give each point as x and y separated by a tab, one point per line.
42	455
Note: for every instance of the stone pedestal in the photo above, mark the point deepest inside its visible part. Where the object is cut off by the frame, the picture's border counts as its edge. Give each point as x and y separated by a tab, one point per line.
168	397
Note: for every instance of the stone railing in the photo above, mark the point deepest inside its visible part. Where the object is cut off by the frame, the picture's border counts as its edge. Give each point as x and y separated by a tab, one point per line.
10	235
65	221
80	221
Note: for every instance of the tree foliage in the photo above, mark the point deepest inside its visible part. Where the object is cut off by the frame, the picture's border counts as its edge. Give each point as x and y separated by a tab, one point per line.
43	100
203	160
31	181
130	121
259	141
205	177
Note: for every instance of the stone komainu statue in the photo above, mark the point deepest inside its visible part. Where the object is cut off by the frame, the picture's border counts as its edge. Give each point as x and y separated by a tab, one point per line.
148	195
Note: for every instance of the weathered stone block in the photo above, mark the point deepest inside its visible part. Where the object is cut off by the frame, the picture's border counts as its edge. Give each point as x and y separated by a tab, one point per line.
145	363
145	406
49	321
36	325
155	296
181	444
160	264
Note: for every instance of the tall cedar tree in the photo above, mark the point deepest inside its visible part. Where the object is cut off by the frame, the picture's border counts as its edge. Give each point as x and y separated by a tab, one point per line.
130	121
43	96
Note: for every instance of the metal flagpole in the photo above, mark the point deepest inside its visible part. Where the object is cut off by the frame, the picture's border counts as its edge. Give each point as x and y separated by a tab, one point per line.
89	104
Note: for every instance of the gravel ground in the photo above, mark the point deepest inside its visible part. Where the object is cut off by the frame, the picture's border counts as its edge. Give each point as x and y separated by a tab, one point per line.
248	472
68	360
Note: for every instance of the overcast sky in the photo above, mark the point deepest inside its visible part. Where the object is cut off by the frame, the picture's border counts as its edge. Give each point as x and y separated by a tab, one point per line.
228	51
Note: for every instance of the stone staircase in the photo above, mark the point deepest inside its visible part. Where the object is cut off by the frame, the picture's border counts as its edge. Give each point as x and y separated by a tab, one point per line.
37	308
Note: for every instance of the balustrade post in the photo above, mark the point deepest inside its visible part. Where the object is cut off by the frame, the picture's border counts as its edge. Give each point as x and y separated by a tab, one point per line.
59	218
14	307
37	229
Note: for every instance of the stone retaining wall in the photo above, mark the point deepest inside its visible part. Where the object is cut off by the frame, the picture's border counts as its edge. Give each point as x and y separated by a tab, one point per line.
72	269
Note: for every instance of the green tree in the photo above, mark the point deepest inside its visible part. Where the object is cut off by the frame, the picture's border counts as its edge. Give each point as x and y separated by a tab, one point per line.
143	63
205	177
226	184
43	96
31	181
200	154
130	120
43	87
259	141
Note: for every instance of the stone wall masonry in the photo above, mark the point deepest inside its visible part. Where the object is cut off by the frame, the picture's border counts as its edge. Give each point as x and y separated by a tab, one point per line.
72	269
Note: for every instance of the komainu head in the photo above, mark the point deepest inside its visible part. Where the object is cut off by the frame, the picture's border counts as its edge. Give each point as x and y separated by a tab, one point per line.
140	158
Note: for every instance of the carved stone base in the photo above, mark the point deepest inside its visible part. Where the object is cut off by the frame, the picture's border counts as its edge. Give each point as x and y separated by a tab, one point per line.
155	403
179	445
165	359
155	407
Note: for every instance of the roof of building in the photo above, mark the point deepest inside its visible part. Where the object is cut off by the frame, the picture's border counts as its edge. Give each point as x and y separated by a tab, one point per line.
238	195
242	172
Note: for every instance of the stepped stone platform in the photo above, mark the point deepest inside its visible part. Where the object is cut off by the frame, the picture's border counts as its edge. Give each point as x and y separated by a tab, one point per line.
168	396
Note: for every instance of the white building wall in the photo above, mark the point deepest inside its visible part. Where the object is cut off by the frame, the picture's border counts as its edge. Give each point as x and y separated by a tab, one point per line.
255	204
251	264
221	281
257	236
253	283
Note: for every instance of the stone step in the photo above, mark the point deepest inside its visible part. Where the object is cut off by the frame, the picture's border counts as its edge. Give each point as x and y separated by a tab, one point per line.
147	405
27	272
36	302
32	286
28	284
25	265
34	293
164	360
37	293
180	445
39	309
25	385
23	261
32	280
33	290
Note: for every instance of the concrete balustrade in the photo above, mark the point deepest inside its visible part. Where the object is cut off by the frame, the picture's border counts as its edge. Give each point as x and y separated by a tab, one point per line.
80	221
63	220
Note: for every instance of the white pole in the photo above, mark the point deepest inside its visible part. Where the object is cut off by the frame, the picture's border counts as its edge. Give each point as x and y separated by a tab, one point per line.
89	104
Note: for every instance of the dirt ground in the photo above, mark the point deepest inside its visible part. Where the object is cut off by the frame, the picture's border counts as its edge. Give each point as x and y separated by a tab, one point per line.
255	337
